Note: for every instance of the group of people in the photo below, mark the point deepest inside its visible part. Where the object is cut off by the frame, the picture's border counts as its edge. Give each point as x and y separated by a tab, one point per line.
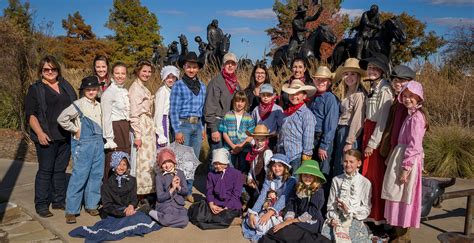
308	165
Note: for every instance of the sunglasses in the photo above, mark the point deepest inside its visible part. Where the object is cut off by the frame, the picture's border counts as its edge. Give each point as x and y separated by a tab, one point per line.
47	70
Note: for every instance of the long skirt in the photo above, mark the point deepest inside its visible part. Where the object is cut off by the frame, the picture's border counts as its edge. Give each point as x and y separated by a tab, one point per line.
373	168
358	232
403	201
143	159
201	215
170	215
122	139
293	233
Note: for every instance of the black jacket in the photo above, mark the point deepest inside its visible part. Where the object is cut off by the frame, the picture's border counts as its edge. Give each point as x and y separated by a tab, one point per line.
115	199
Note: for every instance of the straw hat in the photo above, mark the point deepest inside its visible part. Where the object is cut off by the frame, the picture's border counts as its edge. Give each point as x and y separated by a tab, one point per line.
311	167
260	131
350	65
323	72
297	86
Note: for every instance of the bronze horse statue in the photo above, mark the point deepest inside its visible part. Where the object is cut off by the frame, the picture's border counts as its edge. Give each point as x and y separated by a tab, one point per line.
309	49
215	56
380	43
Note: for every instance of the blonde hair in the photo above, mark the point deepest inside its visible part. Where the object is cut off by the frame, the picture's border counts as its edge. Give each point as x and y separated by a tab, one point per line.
313	187
342	87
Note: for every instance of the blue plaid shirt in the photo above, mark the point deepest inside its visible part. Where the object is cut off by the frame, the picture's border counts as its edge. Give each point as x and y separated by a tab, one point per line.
297	134
325	108
184	104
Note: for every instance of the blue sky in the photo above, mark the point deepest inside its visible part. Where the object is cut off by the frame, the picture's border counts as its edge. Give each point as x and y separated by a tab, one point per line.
246	20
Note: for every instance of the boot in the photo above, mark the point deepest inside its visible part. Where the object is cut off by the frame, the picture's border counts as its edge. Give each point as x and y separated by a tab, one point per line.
401	235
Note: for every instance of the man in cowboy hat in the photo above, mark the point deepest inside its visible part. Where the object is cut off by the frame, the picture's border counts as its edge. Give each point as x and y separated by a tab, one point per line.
187	104
298	25
325	108
296	138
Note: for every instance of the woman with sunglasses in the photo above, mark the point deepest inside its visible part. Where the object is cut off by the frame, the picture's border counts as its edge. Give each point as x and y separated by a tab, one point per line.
46	99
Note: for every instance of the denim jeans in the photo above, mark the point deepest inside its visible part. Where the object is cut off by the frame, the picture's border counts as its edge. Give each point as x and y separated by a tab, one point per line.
189	184
327	164
340	142
192	136
88	168
51	176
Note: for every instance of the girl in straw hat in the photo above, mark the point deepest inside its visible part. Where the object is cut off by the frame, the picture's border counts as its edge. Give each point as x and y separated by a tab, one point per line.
303	219
296	138
258	157
352	110
325	107
348	203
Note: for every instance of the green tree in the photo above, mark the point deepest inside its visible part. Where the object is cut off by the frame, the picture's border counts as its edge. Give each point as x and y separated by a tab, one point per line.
136	30
19	14
286	11
77	28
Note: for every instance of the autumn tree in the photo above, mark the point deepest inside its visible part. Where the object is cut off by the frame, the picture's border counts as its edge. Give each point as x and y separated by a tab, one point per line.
419	44
136	30
19	14
286	11
81	44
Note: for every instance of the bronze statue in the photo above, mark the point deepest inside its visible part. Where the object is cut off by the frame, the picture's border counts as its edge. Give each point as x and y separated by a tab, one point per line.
172	55
298	24
214	35
368	25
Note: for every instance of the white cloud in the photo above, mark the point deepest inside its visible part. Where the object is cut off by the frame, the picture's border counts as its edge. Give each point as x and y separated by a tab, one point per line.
452	21
452	2
195	29
353	13
171	12
244	30
262	13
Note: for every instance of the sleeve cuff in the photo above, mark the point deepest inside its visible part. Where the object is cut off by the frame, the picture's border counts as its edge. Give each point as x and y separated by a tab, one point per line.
110	144
289	215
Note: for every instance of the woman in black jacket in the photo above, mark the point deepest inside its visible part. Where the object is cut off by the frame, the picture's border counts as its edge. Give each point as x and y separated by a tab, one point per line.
45	100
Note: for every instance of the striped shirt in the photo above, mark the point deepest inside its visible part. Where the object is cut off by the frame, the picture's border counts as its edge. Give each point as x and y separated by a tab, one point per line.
236	133
297	134
184	103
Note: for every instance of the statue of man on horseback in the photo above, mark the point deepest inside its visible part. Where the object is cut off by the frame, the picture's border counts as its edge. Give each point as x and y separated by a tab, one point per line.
298	24
368	25
214	35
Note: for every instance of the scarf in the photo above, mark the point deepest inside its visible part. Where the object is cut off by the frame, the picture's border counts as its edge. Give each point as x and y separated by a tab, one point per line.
230	81
255	152
119	179
264	110
193	84
293	108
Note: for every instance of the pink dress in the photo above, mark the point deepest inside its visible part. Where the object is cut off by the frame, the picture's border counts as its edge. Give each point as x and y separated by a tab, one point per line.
403	201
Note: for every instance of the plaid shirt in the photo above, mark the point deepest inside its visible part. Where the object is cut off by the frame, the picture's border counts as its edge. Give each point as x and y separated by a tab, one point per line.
297	134
185	104
229	125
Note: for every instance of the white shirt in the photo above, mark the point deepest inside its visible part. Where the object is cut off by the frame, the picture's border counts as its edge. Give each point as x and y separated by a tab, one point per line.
69	117
115	107
162	107
355	192
378	109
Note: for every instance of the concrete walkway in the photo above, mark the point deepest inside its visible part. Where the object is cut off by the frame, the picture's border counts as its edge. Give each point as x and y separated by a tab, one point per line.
17	183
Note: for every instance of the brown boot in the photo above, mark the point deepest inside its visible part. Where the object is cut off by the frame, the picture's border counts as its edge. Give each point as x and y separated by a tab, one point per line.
70	219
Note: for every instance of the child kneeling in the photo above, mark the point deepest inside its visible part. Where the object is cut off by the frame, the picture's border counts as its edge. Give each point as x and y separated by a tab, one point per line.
171	191
348	203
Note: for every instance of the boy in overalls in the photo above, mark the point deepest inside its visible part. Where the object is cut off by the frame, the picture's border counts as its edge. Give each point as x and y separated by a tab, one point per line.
83	120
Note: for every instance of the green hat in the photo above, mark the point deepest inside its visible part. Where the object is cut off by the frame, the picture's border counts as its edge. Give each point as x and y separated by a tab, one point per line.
311	167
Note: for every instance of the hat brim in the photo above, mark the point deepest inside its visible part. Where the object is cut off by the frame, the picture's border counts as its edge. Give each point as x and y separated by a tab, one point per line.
310	90
311	171
259	134
182	62
364	63
340	71
90	86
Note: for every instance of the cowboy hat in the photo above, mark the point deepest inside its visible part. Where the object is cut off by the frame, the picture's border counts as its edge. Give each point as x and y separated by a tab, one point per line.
190	57
403	72
323	72
379	60
260	131
350	65
297	86
311	167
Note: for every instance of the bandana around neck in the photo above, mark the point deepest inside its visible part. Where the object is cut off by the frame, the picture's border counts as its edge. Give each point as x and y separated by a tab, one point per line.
230	81
192	83
293	108
264	110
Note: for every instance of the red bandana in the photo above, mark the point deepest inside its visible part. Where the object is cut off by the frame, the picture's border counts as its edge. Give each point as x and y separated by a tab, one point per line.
264	110
230	81
255	152
293	108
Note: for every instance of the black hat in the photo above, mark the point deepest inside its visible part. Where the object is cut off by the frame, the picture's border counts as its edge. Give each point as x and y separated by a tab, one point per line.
89	82
403	72
378	60
301	9
190	57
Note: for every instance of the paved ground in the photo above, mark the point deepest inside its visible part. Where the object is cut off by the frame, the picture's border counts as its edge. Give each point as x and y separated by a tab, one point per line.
17	185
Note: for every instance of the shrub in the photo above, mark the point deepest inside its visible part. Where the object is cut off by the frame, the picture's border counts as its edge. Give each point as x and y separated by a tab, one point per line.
449	152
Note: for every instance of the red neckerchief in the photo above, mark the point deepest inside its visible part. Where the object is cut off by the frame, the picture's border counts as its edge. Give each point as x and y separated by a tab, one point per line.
264	110
230	81
255	152
293	108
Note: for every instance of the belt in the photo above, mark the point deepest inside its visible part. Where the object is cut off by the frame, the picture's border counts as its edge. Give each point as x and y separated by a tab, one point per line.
191	119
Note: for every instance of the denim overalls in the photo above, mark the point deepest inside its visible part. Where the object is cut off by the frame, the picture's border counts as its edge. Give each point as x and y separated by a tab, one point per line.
88	167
